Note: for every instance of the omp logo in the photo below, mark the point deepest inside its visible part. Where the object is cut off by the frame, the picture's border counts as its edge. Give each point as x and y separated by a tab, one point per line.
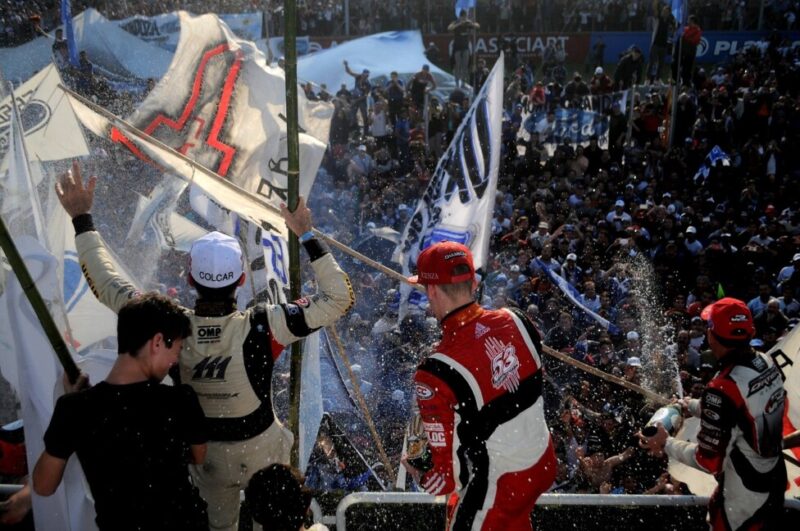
702	48
713	400
209	334
211	368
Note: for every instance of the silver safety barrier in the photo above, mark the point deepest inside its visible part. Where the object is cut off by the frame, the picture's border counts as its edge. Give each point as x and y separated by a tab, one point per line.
598	500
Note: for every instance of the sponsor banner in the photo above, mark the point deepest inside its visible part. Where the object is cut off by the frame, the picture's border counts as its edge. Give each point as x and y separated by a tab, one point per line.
487	45
571	126
715	46
165	30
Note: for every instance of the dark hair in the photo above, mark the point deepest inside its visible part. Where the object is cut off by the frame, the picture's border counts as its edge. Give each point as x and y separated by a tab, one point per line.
277	498
732	343
144	317
224	293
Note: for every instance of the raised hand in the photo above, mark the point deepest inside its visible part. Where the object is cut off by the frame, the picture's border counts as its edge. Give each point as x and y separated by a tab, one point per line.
74	196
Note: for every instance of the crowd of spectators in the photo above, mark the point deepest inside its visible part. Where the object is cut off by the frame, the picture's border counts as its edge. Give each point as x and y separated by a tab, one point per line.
19	19
644	238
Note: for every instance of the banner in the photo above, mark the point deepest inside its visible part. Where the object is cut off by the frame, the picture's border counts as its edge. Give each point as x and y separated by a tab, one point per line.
311	410
566	126
51	130
600	103
458	202
714	47
165	30
223	107
464	5
229	196
786	354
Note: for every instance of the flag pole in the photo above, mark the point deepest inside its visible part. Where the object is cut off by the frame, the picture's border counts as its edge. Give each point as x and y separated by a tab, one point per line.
38	304
293	151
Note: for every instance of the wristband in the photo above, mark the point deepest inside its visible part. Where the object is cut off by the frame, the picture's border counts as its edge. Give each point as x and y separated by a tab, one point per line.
306	236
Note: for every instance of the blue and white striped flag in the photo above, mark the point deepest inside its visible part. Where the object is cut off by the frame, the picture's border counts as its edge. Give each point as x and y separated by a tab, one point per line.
715	156
464	4
574	297
458	203
679	11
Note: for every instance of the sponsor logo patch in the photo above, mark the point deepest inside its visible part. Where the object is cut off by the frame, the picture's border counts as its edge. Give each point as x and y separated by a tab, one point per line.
209	334
713	415
713	400
454	254
216	277
505	364
480	330
424	392
435	432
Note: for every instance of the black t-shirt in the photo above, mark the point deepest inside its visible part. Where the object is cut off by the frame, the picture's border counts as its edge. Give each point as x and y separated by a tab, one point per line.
133	444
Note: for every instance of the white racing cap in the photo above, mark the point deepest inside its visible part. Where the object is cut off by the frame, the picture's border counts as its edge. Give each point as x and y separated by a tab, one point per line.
216	260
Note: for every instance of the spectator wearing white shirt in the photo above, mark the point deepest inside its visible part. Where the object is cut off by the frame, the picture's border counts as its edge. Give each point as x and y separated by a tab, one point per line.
590	298
618	217
691	243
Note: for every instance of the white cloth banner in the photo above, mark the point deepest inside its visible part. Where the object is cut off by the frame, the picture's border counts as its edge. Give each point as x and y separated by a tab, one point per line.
165	30
311	398
38	384
227	194
222	106
51	130
786	355
458	202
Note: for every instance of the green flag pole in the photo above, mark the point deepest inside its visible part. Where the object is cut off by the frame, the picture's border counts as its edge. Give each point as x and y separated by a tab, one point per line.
38	304
293	149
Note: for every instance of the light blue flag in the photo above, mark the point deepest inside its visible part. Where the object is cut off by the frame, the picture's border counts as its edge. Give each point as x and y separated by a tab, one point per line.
679	11
69	32
464	4
574	297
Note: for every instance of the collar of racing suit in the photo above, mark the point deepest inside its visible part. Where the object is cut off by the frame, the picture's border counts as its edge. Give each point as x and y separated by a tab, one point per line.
736	357
214	308
460	316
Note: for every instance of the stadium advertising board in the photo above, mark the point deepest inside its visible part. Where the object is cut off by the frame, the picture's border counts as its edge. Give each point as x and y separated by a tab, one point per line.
715	46
489	45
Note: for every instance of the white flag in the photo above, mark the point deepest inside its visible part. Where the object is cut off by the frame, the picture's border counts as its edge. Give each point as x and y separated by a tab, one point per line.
38	384
222	106
458	202
786	355
51	130
311	398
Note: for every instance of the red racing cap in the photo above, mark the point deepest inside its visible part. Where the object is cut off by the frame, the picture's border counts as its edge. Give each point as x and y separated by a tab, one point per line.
729	318
436	264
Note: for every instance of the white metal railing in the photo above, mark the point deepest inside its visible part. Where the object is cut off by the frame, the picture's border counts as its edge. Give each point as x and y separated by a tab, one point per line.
599	500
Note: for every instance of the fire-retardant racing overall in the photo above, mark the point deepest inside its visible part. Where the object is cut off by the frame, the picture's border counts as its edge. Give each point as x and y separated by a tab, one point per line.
741	418
228	361
479	396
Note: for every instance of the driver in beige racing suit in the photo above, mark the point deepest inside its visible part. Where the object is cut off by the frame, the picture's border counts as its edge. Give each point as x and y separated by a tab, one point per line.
229	357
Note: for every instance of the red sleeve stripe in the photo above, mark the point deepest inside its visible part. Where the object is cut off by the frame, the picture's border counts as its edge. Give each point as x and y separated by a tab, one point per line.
277	348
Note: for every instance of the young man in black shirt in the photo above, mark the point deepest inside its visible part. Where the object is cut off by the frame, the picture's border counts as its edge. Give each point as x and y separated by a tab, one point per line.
134	436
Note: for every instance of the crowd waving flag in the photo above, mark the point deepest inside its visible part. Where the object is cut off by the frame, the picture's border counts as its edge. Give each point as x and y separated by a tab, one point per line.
458	203
464	5
573	296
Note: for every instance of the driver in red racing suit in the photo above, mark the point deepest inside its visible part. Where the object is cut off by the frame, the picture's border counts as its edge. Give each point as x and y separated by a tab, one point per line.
479	397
